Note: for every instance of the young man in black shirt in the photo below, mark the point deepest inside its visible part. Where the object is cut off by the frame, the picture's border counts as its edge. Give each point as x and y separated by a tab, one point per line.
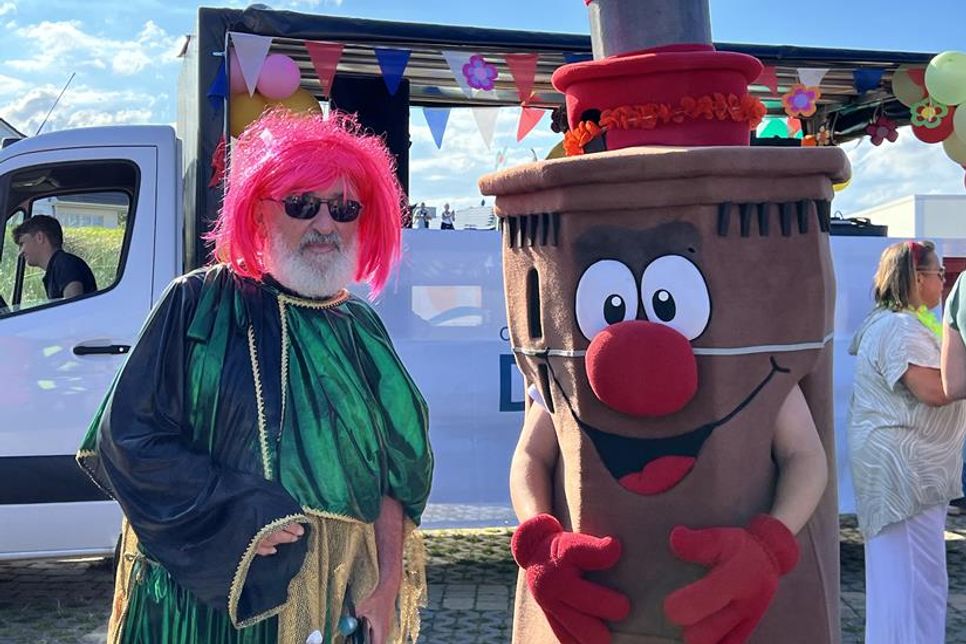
41	241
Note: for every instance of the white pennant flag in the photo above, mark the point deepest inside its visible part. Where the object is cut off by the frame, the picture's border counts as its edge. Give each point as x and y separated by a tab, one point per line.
251	50
456	60
486	122
810	76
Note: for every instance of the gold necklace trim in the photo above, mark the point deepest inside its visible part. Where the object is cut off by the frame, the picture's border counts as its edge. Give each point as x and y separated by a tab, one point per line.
241	573
260	403
339	298
285	347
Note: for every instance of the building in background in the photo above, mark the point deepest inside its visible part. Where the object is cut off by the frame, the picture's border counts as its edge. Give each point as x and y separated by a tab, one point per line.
934	217
921	216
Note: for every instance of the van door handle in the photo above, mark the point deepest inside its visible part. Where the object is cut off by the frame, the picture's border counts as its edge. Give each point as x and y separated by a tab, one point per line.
104	349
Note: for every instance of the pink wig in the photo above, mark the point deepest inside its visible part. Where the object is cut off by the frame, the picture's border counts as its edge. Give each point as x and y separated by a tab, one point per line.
283	153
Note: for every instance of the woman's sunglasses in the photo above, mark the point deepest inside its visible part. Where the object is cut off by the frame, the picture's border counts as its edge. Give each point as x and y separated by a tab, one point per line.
307	206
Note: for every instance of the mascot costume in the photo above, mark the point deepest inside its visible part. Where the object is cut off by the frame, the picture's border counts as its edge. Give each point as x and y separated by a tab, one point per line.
670	298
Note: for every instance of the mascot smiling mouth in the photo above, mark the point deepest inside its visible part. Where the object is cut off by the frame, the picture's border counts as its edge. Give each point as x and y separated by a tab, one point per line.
648	466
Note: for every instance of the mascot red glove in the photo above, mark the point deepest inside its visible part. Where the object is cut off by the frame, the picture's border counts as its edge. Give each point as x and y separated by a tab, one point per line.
555	561
746	564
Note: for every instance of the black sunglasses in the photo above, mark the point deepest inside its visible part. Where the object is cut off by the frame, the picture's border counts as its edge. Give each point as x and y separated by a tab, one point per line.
307	206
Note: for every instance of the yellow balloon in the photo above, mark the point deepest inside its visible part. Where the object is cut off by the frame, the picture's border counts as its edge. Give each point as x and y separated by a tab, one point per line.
243	109
955	149
301	101
946	77
905	89
557	152
839	187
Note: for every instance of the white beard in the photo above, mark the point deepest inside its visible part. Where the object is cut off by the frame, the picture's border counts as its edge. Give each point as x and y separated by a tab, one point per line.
312	275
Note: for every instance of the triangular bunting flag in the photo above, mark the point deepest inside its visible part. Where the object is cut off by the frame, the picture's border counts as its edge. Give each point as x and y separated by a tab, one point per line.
523	68
486	121
794	126
769	79
811	77
393	63
251	50
529	117
866	79
456	60
436	119
219	87
325	59
571	57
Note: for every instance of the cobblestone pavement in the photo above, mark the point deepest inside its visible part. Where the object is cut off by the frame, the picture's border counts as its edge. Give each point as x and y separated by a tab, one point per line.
471	584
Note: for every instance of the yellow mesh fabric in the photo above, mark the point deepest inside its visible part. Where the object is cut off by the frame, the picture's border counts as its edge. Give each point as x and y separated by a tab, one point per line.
343	555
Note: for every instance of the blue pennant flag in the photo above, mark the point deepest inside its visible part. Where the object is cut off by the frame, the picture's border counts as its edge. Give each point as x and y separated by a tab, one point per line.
436	119
866	79
218	91
393	63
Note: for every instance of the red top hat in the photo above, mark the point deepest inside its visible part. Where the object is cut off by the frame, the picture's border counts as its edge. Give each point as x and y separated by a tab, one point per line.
657	80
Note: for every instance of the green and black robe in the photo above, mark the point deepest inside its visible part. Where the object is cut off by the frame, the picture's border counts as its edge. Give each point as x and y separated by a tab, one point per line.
241	408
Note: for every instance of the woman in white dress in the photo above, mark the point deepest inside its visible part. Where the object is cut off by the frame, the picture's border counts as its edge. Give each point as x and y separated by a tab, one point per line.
905	439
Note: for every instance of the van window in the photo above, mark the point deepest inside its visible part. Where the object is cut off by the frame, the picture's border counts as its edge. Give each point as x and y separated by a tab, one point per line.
92	206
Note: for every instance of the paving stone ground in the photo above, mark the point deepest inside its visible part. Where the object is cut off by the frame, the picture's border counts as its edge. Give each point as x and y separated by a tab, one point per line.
471	584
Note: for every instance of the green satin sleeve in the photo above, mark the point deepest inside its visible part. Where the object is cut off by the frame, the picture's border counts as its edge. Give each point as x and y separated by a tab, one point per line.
355	425
406	428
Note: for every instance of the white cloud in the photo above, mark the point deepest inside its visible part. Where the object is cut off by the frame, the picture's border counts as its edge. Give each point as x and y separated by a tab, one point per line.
893	170
50	44
309	4
450	175
80	107
7	7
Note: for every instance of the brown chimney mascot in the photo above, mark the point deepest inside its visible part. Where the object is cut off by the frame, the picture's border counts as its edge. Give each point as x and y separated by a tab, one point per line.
670	296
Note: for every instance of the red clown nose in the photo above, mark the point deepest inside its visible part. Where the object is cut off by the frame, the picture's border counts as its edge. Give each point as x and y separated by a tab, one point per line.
642	369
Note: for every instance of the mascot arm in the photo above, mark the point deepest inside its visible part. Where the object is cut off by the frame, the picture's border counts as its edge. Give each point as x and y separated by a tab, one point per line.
745	564
533	465
554	560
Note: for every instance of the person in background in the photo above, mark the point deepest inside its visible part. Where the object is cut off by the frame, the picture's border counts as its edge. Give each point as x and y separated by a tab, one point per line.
905	438
953	363
41	241
421	217
447	218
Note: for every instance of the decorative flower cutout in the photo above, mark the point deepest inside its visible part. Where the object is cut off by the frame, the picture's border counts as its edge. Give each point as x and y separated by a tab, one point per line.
882	129
928	113
479	73
824	136
801	100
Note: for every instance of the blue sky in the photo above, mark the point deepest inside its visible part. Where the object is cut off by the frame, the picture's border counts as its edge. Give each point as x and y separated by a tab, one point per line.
124	55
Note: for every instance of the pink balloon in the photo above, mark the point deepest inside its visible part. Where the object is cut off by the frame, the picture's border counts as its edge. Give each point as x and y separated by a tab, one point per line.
279	77
236	82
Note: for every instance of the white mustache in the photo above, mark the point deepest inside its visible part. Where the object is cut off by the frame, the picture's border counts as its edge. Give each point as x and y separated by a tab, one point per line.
315	237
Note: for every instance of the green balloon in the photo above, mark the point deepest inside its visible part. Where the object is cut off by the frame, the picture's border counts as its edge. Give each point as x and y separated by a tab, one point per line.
946	78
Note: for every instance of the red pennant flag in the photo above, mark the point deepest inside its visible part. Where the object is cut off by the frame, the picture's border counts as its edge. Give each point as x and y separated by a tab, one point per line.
529	117
794	126
325	58
523	68
769	78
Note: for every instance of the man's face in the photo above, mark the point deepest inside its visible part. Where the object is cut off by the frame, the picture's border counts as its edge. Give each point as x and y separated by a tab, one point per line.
315	256
33	247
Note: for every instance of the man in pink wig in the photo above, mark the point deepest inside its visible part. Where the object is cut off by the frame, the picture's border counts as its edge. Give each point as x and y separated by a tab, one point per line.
268	448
